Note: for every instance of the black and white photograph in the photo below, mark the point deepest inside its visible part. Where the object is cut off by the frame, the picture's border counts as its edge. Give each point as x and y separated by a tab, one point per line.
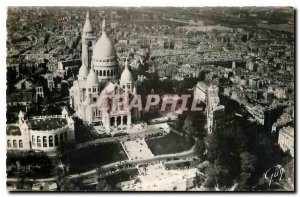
150	98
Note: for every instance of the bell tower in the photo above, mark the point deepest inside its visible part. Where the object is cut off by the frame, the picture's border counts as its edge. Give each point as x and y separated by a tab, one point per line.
88	42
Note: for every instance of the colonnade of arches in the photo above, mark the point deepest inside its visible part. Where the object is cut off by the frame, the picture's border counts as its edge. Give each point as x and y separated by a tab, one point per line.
15	143
106	73
48	141
118	120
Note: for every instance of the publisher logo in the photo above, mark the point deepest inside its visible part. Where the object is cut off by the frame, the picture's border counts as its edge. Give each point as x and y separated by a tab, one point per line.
274	174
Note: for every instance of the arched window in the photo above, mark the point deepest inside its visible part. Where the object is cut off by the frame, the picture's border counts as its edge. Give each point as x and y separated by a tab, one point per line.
56	140
8	143
118	120
89	43
108	73
97	72
38	139
100	72
44	141
61	138
104	73
33	140
112	121
65	136
125	120
20	144
15	145
50	141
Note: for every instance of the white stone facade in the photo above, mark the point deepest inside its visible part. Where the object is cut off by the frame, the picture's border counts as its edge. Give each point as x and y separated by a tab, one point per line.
99	81
25	136
212	106
200	92
286	139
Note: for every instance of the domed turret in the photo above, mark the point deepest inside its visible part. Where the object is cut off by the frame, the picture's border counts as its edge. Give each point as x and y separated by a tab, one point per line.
92	78
87	28
126	78
126	75
21	118
21	114
233	65
64	112
83	72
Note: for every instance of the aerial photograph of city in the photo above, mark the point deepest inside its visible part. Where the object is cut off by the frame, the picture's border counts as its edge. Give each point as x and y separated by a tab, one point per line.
195	99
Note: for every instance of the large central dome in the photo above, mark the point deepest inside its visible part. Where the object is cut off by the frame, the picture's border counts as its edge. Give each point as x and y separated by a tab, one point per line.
104	49
104	59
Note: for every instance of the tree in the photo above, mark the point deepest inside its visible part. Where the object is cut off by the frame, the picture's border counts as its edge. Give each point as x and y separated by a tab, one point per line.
247	168
212	145
23	175
103	185
67	185
59	174
240	140
200	148
198	179
64	151
247	162
188	125
11	79
211	173
244	182
100	172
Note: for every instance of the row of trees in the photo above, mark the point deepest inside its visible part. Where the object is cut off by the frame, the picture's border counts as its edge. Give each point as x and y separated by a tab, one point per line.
226	151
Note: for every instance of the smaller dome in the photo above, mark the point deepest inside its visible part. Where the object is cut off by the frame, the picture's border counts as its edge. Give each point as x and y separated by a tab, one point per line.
83	71
21	114
64	111
87	28
92	78
126	75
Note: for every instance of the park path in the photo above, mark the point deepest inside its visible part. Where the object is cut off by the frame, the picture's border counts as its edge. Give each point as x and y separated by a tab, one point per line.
181	155
149	130
133	162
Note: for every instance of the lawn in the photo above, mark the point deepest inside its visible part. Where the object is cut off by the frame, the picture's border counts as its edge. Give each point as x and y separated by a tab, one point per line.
29	164
170	143
88	158
84	132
